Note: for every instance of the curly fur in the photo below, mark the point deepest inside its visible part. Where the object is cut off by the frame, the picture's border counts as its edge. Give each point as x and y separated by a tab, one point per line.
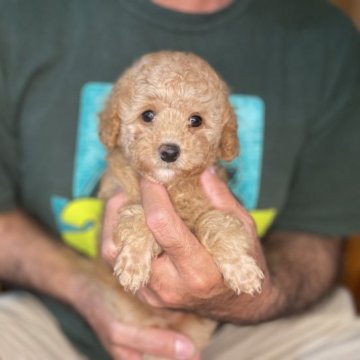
175	86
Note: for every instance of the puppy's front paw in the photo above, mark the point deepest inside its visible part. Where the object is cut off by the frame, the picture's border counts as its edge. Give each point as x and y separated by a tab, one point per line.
243	276
132	268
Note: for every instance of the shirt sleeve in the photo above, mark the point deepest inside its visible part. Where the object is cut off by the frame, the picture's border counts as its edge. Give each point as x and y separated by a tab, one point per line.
324	196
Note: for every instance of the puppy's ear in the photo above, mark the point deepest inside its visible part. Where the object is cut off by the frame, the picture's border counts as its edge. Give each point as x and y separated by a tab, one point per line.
110	121
229	144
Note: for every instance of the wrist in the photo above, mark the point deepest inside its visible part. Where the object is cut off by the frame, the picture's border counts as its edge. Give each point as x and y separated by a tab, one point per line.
272	300
91	280
80	274
254	309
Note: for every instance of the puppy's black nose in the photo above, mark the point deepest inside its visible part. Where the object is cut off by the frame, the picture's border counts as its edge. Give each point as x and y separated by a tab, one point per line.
169	152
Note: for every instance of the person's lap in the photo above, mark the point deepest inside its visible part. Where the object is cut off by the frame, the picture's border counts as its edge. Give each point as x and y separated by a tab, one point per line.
330	330
28	331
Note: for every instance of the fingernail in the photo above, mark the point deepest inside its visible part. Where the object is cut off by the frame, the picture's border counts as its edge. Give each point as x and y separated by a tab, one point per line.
184	349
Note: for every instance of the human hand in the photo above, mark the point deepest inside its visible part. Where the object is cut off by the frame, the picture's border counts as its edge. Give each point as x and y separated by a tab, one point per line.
185	276
101	302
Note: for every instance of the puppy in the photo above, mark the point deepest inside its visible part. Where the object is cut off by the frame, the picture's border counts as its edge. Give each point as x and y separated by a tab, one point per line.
168	118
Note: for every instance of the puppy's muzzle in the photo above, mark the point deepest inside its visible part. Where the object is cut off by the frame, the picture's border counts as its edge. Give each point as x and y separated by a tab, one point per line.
169	152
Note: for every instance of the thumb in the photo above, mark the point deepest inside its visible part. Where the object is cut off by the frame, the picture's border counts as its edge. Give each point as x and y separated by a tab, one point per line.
222	199
109	250
167	227
218	193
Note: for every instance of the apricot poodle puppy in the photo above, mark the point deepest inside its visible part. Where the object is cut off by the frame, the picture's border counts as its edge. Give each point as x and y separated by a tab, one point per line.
169	118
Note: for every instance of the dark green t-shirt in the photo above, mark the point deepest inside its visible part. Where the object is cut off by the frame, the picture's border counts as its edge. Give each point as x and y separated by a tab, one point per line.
293	68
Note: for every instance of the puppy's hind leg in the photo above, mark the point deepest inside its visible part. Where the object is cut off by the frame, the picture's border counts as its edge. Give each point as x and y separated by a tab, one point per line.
225	238
137	247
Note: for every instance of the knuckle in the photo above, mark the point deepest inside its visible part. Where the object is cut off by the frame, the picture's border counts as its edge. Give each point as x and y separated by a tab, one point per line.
171	299
157	220
114	202
108	253
201	285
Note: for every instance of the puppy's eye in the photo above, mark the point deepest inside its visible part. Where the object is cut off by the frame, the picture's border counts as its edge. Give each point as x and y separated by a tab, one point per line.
148	116
195	121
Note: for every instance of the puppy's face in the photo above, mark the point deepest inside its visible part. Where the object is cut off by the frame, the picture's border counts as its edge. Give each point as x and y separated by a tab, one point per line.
172	110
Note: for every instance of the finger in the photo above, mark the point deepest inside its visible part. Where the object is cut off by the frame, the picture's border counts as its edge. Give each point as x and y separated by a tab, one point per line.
219	194
148	296
222	198
123	353
169	230
108	248
158	342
